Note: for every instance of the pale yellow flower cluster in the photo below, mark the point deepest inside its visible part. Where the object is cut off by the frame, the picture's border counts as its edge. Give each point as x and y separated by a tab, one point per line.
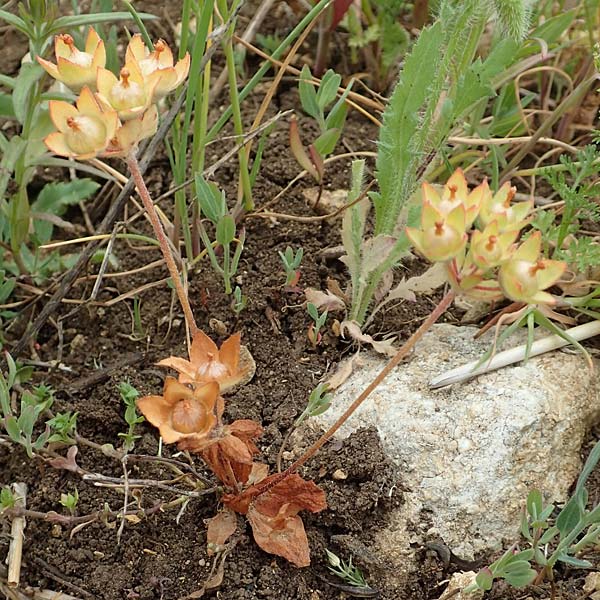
485	263
111	115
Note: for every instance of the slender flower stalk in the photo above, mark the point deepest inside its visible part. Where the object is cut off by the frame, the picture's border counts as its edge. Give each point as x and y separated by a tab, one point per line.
134	168
437	312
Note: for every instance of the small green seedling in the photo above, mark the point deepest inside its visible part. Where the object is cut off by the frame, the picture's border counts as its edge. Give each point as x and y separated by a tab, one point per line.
318	402
20	427
346	570
575	528
291	262
63	426
239	302
314	330
129	395
331	124
138	333
213	206
7	498
70	501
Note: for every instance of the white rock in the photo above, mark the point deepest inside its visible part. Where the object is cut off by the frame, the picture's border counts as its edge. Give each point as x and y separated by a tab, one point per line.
458	582
469	454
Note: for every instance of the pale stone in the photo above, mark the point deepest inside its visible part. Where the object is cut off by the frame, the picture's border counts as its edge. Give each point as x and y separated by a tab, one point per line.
458	582
469	454
339	475
592	583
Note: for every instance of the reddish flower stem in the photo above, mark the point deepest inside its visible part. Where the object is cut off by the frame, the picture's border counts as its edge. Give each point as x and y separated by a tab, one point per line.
437	312
161	237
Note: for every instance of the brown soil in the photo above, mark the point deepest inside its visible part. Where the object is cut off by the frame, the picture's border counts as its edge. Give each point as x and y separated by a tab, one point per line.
164	556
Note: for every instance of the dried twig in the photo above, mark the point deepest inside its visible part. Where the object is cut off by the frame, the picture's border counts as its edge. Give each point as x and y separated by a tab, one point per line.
15	551
52	572
101	374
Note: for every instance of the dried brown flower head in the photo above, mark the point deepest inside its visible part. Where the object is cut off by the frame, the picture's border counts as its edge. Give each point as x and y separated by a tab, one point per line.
229	366
183	413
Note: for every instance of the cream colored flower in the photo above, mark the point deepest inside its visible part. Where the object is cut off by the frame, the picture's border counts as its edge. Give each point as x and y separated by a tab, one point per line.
130	95
441	237
490	248
456	193
157	66
229	365
75	68
524	277
84	131
501	209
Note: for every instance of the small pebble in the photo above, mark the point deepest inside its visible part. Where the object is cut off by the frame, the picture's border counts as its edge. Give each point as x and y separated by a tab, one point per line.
340	475
218	326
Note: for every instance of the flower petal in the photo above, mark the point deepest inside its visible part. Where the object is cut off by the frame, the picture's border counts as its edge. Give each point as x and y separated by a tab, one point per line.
73	75
92	41
88	104
155	409
183	67
202	346
529	250
551	273
136	49
182	366
459	183
49	67
99	57
59	113
57	143
175	391
105	81
229	353
207	395
164	54
61	48
430	194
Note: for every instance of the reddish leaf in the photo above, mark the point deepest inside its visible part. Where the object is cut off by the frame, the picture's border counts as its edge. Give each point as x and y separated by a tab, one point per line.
69	463
281	535
247	431
340	8
220	528
292	490
295	491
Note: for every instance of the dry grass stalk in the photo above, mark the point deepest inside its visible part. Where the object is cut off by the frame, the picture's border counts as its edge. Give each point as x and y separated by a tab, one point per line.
15	551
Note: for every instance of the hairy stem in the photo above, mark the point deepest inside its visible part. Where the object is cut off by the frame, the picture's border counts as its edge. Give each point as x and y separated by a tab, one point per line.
161	237
437	312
